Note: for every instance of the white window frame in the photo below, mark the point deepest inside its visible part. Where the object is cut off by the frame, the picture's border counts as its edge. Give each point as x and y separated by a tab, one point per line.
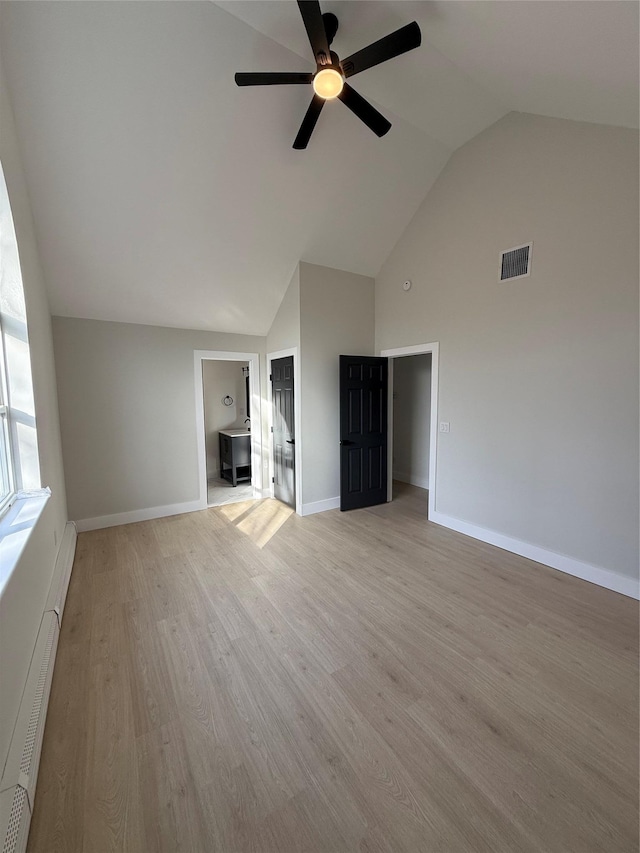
6	446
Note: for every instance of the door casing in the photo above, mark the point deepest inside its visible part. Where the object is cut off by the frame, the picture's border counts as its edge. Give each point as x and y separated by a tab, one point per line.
399	352
256	410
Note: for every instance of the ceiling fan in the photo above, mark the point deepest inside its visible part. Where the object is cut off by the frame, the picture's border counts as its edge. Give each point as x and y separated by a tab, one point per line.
330	78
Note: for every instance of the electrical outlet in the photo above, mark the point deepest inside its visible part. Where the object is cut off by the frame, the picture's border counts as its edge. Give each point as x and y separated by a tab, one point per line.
444	426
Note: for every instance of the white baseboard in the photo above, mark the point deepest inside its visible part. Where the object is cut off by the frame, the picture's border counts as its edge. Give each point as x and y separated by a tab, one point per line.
320	506
594	574
421	482
118	518
570	566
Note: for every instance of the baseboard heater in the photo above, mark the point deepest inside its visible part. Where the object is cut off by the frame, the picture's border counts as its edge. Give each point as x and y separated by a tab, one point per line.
18	786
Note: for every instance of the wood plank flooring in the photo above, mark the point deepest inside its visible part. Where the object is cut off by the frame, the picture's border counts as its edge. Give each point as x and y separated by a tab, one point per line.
242	679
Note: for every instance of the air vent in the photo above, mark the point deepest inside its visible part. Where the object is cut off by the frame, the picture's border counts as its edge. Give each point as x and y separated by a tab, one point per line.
15	841
515	263
19	778
35	729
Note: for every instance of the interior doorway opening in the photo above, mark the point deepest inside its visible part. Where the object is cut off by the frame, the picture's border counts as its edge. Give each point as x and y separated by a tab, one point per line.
227	427
228	417
413	419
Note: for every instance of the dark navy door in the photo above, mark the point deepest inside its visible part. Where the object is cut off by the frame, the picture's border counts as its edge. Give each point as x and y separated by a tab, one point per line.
363	431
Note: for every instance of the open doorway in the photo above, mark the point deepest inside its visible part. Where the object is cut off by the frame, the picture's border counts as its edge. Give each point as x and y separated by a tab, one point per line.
229	427
411	401
413	418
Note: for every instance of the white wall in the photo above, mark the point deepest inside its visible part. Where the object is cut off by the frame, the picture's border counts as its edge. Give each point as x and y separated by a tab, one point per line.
285	329
127	411
222	378
538	377
412	419
336	318
24	597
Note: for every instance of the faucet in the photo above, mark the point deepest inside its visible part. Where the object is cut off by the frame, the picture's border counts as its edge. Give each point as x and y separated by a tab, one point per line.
248	420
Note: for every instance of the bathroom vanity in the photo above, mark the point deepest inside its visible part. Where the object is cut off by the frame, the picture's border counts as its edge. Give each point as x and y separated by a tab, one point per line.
235	455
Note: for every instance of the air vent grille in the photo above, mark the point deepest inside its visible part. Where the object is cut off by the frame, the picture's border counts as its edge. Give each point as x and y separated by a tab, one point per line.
44	682
515	263
15	839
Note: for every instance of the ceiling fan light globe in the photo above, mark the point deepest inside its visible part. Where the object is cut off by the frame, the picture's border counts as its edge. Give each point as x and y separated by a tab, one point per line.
328	83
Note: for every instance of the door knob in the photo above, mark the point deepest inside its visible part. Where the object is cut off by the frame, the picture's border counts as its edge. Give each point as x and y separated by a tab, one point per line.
291	441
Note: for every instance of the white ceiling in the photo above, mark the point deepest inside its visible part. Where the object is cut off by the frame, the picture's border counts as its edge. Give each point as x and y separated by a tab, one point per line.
164	194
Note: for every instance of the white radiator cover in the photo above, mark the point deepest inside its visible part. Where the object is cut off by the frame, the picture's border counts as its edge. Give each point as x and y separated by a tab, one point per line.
16	817
18	786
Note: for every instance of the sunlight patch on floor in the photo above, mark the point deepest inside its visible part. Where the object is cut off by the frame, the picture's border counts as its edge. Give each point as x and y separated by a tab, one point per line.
235	510
264	521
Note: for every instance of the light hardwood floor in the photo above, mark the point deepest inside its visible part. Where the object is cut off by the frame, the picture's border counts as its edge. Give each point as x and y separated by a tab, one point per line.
242	679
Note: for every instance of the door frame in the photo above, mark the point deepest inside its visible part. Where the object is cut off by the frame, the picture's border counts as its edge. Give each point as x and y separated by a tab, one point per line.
297	447
255	414
400	352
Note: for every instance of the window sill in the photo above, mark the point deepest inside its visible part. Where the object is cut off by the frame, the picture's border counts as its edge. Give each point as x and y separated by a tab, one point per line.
16	526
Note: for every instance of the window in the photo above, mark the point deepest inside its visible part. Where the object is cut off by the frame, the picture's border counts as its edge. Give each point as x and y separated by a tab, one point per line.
6	467
19	462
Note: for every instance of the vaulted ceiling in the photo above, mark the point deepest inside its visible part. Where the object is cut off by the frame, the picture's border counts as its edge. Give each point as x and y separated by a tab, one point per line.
164	194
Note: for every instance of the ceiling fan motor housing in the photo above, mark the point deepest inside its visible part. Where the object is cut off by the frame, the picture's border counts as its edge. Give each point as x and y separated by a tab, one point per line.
330	25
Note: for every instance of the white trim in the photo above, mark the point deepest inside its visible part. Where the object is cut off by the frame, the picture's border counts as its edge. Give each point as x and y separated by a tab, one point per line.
421	482
101	521
255	414
271	356
398	352
320	506
594	574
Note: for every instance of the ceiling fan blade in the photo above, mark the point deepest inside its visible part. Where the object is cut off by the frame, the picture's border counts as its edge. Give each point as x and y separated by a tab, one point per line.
309	122
374	120
402	40
314	25
271	78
